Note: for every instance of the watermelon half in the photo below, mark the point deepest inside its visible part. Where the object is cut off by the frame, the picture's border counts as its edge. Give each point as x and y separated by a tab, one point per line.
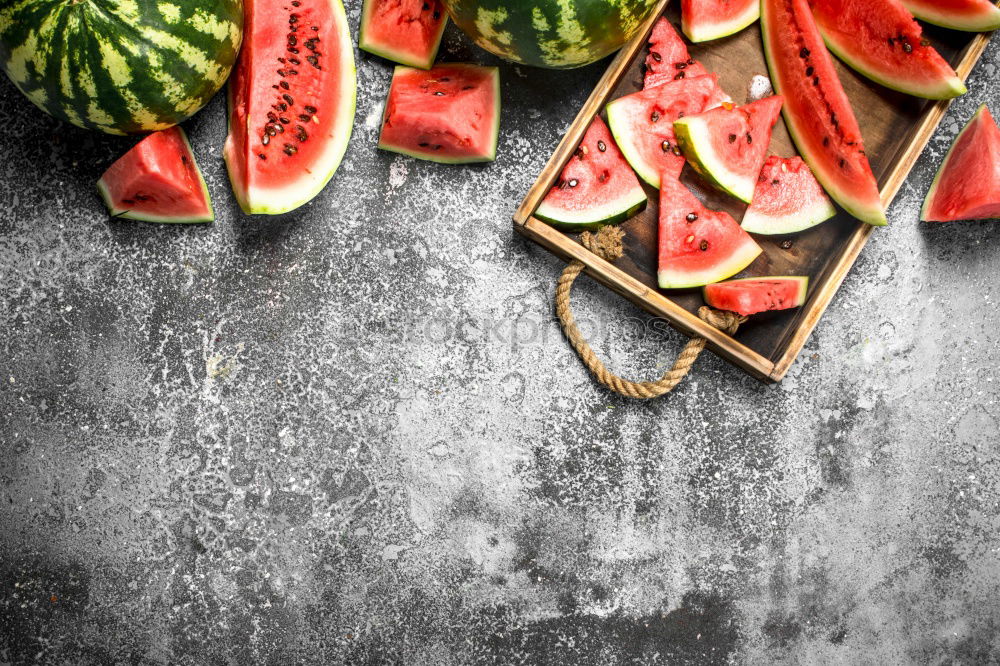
404	31
668	58
643	123
817	112
967	186
449	114
291	103
728	145
698	246
887	46
750	296
157	181
969	15
596	187
705	20
788	199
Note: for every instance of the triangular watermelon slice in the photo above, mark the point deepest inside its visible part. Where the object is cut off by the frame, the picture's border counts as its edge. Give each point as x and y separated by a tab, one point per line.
698	246
157	181
704	20
788	199
967	186
752	295
668	58
596	187
728	145
642	123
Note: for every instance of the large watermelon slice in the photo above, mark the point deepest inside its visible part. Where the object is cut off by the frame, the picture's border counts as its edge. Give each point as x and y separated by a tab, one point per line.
643	123
967	186
697	245
668	58
704	20
404	31
157	181
596	187
788	199
728	144
817	112
750	296
448	114
970	15
291	103
886	45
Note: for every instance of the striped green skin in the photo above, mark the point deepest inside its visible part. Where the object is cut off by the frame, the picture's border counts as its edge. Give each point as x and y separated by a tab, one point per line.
120	66
559	34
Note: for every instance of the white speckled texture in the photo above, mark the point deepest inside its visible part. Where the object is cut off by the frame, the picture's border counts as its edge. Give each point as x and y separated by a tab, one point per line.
355	434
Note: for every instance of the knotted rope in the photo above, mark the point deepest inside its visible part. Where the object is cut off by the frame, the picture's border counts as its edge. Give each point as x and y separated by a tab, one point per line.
607	244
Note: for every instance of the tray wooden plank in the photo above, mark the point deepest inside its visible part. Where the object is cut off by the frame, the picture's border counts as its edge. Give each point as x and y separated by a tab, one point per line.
896	129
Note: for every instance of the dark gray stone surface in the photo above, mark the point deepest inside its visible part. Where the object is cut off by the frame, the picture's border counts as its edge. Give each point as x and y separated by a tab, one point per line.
355	434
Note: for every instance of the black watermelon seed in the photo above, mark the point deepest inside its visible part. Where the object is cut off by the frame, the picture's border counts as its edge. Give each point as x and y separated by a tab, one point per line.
603	176
749	139
676	151
423	144
262	156
284	120
316	28
265	139
732	138
892	42
290	149
272	117
842	163
313	60
292	40
282	73
833	119
810	70
691	217
703	245
578	153
468	87
925	42
678	76
296	3
281	60
426	7
283	84
288	98
907	48
295	61
282	106
436	15
816	81
294	18
680	65
775	181
656	56
786	244
280	128
665	146
655	116
690	61
304	118
444	79
601	146
804	53
292	50
573	182
826	141
270	130
310	109
300	133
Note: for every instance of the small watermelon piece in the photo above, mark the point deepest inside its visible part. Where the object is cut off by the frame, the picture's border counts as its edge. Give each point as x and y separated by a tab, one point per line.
448	114
968	15
157	181
967	186
705	20
668	58
404	31
728	145
697	245
750	296
596	187
887	46
788	199
817	112
643	123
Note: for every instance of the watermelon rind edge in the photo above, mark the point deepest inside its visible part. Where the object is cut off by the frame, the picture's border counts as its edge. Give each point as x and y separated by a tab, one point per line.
800	299
612	212
989	23
390	54
739	260
693	137
773	225
619	130
724	28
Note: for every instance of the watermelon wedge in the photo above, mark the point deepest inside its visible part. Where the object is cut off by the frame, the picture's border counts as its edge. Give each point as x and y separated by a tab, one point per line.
887	46
788	199
705	20
157	181
968	15
817	112
404	31
668	58
750	296
967	186
449	114
643	123
728	145
698	246
596	187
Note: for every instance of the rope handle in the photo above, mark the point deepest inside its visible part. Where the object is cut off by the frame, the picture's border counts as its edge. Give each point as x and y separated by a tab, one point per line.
607	244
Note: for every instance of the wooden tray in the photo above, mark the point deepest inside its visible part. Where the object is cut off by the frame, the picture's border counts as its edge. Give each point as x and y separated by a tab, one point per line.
895	127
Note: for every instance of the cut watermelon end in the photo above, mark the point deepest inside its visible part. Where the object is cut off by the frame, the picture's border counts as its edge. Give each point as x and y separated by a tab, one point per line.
779	225
707	32
743	257
694	132
750	296
613	212
627	140
984	18
369	44
207	215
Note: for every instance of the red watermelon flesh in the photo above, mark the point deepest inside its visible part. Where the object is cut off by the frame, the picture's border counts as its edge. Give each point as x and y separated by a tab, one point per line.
404	31
753	295
728	145
971	15
887	46
668	58
596	187
697	245
967	186
291	103
787	199
642	123
448	114
817	112
157	181
704	20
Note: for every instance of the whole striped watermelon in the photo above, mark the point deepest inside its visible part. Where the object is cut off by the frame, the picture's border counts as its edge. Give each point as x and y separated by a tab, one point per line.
120	66
550	33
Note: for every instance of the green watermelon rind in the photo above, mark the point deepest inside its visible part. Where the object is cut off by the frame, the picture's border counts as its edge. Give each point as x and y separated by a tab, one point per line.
625	138
947	89
988	23
435	157
694	138
738	261
875	217
802	280
723	28
387	52
806	218
612	212
291	197
139	217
